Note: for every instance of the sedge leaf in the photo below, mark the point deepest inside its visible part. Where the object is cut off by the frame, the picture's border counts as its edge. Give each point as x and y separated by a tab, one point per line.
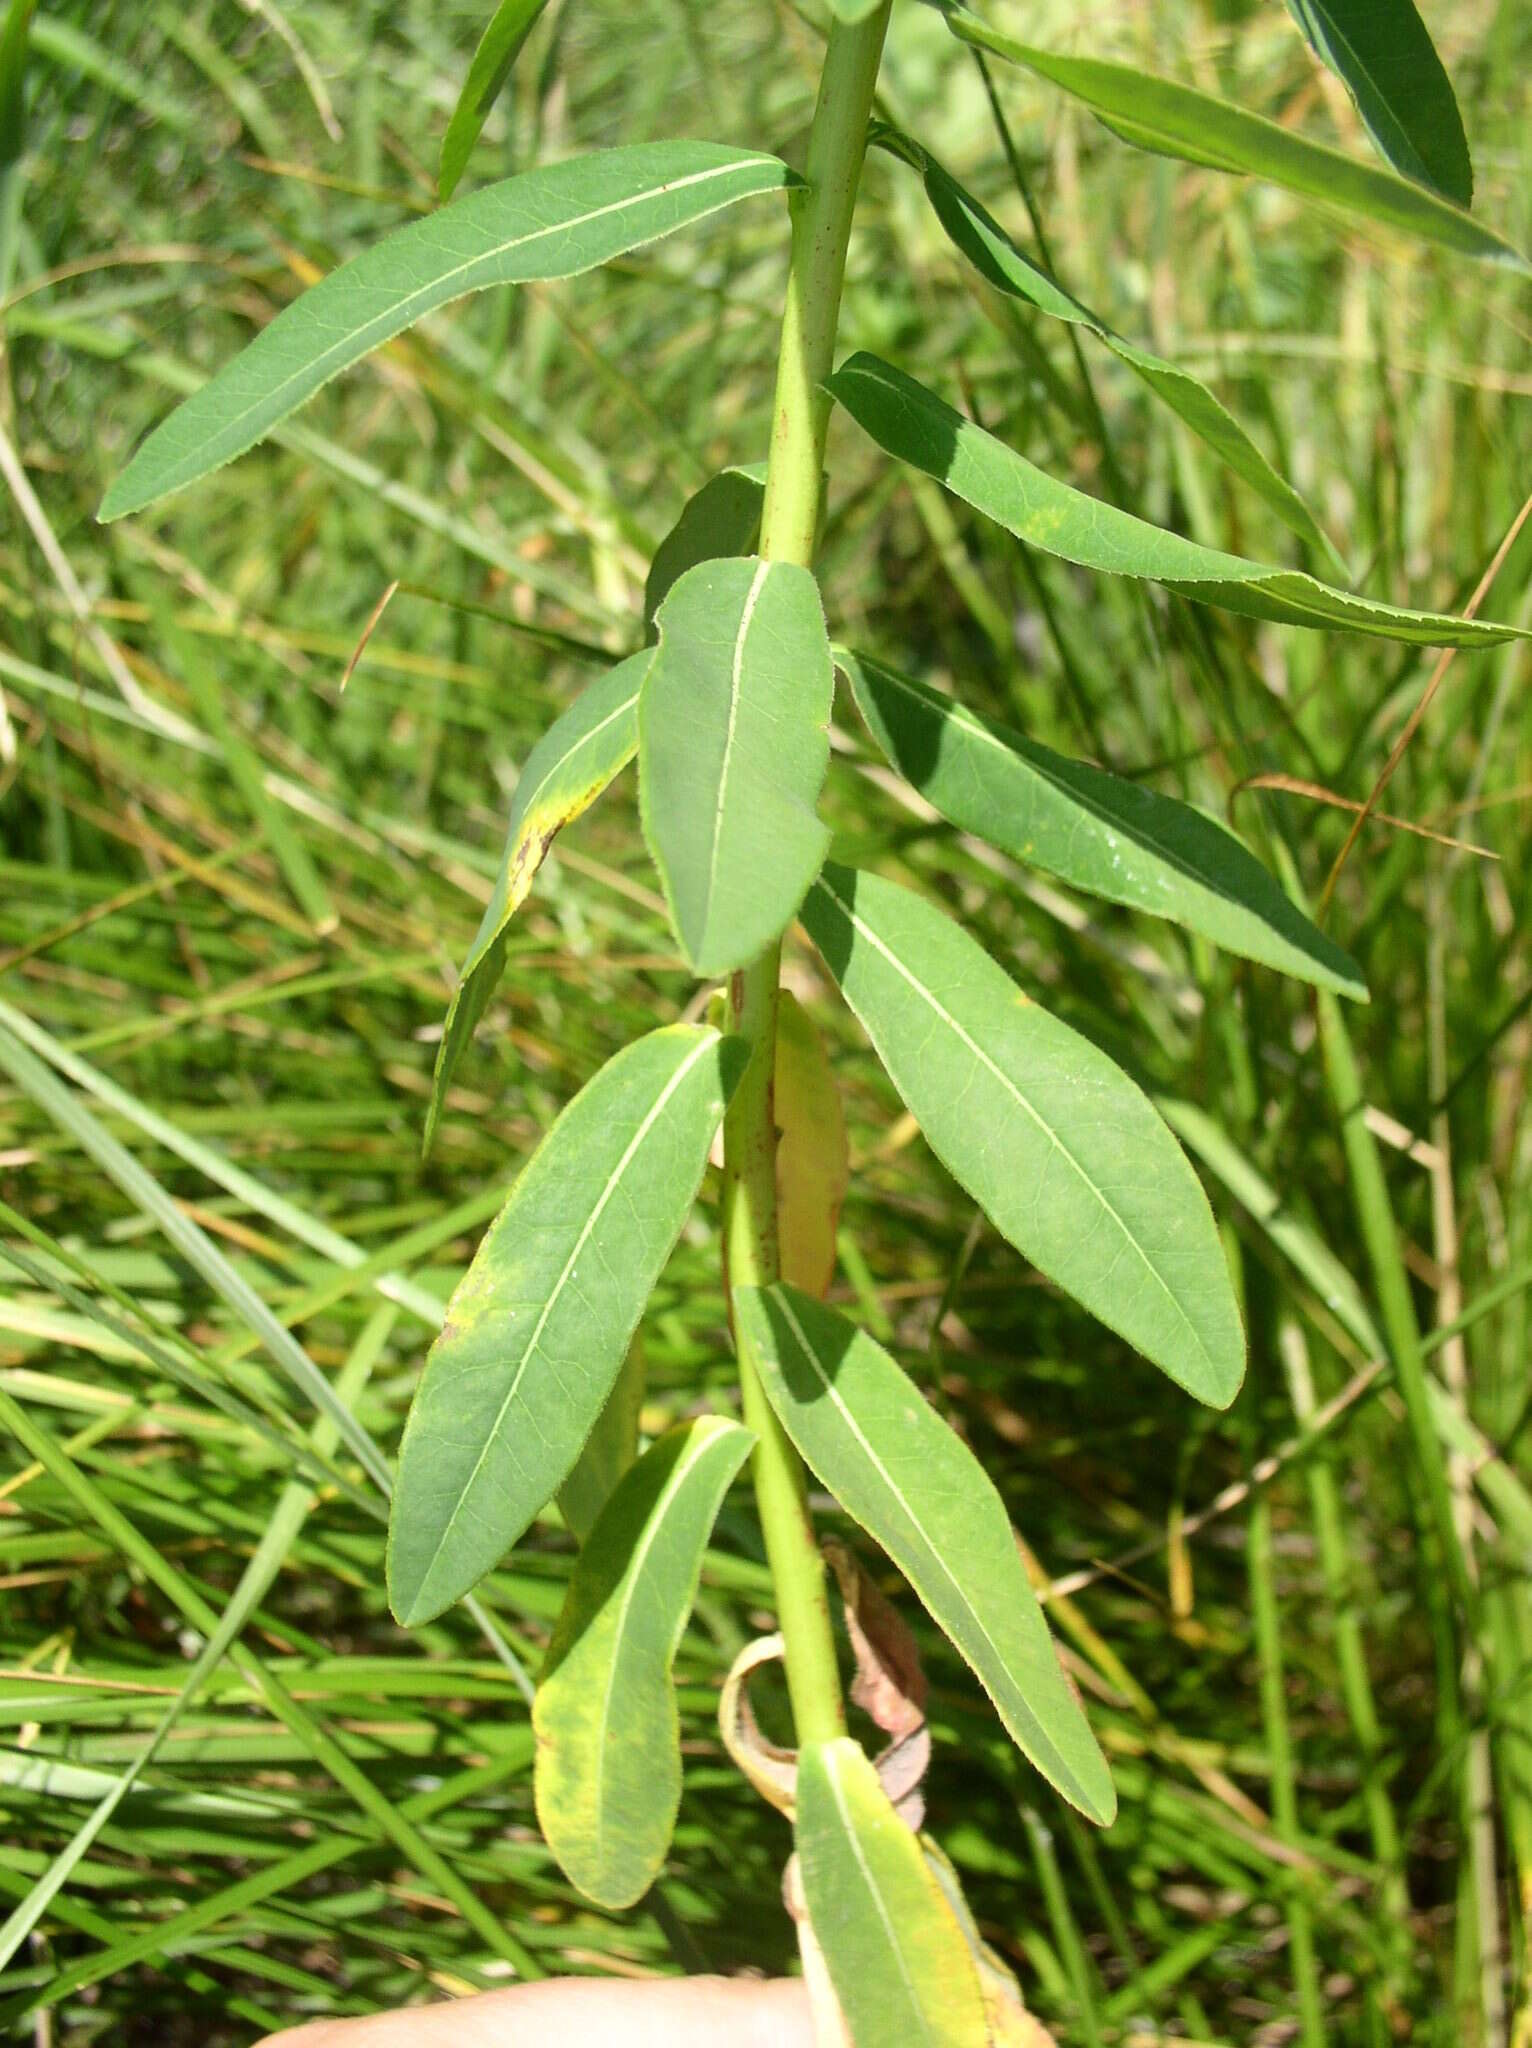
1382	53
903	1972
1062	1151
1178	121
723	518
573	762
607	1778
733	746
551	222
538	1326
1109	837
867	1432
910	422
979	237
499	47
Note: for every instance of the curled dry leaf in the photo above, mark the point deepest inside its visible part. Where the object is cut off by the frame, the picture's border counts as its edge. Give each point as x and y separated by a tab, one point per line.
888	1685
772	1770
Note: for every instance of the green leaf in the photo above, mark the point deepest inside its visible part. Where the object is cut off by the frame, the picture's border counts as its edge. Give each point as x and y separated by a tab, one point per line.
499	47
537	1329
912	423
867	1432
13	70
903	1972
609	1450
551	222
1383	55
986	245
1063	1152
608	1772
723	518
1178	121
853	10
573	762
733	745
1110	837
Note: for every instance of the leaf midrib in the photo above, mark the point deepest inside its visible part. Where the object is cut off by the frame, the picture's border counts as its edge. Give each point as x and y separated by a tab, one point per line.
736	687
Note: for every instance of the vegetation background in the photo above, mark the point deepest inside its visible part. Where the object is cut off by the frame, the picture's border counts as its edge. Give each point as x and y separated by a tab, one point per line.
238	875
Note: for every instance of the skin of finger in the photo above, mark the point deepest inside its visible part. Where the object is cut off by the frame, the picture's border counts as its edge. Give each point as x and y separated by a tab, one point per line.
586	2012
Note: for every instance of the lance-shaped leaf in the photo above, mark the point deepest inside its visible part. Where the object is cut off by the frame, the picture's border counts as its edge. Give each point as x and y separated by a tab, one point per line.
865	1429
551	222
538	1326
609	1450
813	1159
723	518
1383	55
1063	1152
573	762
1107	836
1178	121
499	47
980	237
733	745
903	1972
608	1772
910	422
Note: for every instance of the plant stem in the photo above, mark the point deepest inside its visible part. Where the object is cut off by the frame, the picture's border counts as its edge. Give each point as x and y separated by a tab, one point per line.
821	223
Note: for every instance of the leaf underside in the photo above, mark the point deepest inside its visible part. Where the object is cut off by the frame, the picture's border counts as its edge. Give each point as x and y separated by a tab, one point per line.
538	1327
1063	1152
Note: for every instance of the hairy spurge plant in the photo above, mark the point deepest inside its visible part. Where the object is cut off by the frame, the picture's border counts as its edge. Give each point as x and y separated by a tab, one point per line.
531	1394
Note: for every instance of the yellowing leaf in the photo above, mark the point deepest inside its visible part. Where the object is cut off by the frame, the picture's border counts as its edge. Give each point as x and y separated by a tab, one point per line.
608	1772
813	1161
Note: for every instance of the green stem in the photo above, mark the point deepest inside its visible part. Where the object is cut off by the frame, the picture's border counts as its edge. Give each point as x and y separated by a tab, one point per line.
821	220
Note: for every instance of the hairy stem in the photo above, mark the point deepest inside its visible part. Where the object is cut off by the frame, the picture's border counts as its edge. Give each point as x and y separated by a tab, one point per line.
821	218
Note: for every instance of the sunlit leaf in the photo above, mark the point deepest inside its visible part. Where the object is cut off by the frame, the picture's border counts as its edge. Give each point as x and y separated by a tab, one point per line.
539	1324
573	762
867	1432
980	237
608	1771
903	1973
1096	831
908	421
813	1160
499	47
1384	56
1177	120
551	222
1063	1152
723	518
733	745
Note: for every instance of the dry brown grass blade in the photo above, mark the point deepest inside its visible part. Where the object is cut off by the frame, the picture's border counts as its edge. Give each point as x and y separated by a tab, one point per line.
1295	785
1397	751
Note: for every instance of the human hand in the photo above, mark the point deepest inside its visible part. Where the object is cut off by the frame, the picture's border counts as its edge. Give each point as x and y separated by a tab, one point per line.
586	2012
